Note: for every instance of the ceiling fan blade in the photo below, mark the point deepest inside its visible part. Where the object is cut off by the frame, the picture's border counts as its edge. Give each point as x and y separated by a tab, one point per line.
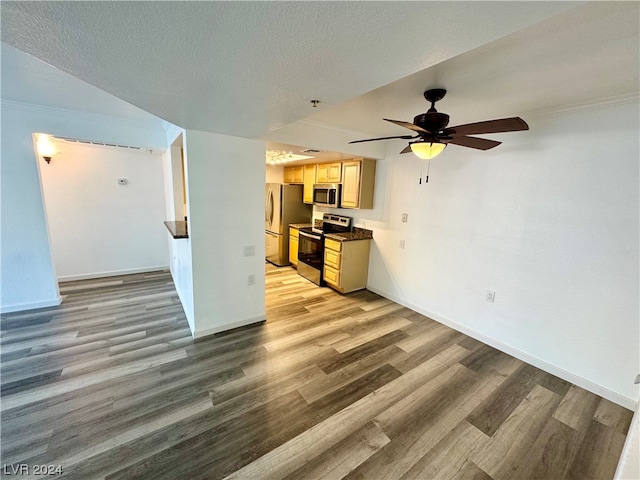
499	125
408	125
474	142
406	149
406	137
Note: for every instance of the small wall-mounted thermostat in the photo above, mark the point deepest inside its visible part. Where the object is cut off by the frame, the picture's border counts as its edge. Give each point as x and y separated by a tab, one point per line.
122	181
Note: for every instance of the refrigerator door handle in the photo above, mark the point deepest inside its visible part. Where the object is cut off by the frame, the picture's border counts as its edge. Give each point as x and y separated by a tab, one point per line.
269	209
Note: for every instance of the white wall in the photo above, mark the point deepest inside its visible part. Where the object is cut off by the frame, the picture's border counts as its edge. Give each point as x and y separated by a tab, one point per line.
182	272
98	227
28	278
549	220
180	258
225	202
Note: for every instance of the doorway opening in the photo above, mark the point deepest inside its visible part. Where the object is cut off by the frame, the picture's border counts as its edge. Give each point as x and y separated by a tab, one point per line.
104	207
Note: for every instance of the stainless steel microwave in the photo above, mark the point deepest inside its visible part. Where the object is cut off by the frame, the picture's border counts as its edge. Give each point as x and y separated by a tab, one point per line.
326	194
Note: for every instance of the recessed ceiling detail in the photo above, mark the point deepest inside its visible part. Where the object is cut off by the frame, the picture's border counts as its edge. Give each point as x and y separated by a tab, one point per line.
278	157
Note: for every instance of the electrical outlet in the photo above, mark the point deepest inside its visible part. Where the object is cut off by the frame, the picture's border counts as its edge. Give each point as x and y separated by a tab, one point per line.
405	217
249	250
251	279
401	243
490	296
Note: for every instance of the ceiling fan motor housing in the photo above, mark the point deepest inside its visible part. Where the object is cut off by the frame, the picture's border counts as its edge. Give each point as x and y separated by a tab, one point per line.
432	121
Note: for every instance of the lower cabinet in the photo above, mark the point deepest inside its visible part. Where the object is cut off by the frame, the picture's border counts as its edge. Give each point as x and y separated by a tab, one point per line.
346	264
293	246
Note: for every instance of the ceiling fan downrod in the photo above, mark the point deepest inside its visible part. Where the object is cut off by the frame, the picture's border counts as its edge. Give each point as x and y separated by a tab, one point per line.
434	95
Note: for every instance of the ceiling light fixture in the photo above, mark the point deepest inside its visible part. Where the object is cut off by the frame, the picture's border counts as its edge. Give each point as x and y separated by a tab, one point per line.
432	134
427	150
46	148
276	157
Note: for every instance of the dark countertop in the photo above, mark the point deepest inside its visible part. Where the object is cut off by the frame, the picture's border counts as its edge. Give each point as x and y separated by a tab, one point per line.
177	229
300	225
357	234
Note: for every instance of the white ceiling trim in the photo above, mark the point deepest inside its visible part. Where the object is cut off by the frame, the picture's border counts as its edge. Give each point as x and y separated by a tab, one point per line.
613	100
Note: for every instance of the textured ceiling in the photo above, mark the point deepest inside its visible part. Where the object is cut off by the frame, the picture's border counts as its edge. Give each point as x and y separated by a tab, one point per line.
26	79
247	68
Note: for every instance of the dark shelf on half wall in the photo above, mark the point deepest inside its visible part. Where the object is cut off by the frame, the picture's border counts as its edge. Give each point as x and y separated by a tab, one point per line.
177	229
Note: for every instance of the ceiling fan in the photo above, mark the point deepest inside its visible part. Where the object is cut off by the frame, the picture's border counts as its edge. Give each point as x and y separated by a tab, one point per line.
433	135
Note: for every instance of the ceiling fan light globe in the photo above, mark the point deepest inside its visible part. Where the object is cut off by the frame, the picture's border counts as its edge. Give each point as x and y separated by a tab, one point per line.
427	150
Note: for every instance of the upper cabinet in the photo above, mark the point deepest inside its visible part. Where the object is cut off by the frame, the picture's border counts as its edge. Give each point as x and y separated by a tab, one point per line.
294	174
329	173
309	175
356	176
358	182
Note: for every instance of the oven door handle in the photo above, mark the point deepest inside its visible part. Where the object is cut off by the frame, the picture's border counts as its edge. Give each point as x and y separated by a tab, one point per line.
310	235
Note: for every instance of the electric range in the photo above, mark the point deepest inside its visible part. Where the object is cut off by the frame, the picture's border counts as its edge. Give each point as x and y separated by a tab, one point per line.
311	245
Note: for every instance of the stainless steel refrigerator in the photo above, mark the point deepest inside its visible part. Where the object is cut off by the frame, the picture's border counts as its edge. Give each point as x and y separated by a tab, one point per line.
283	205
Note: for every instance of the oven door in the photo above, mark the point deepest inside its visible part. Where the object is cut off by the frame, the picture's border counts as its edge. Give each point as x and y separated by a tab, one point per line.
310	256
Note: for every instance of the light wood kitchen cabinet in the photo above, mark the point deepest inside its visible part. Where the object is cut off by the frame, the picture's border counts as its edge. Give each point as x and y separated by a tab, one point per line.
346	264
294	174
309	174
358	182
334	173
293	246
329	173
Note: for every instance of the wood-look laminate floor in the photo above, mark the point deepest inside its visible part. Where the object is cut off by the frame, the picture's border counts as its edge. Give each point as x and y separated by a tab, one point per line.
111	385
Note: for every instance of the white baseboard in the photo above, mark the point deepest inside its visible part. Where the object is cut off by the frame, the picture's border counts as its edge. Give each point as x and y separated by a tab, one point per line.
519	354
228	326
30	306
112	273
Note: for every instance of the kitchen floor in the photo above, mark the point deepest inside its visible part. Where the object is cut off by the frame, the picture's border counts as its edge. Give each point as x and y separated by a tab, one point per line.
111	385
